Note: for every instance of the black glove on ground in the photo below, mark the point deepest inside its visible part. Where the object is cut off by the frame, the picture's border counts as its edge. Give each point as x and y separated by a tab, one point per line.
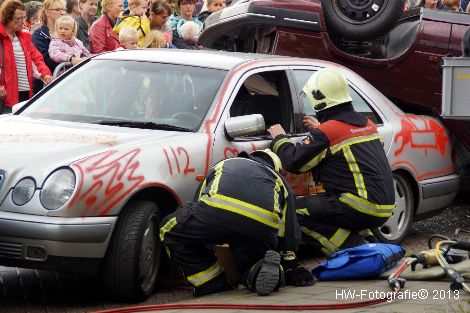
299	276
295	274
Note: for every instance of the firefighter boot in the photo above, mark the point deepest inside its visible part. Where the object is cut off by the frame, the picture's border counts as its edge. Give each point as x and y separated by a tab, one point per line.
217	284
266	275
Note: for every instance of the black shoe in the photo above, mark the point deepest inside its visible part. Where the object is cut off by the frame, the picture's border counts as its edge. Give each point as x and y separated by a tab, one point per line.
269	275
218	284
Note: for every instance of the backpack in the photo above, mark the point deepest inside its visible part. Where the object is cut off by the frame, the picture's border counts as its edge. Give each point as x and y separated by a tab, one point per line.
362	262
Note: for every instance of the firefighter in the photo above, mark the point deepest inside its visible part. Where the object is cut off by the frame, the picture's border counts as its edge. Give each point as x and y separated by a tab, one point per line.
246	203
344	152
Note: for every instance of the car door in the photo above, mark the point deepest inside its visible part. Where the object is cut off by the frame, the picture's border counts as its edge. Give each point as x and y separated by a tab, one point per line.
266	91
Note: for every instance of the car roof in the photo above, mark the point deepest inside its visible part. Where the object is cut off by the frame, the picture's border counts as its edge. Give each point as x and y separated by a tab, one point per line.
204	58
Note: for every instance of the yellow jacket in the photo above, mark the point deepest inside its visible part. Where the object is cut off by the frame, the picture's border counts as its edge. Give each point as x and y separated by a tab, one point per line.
141	24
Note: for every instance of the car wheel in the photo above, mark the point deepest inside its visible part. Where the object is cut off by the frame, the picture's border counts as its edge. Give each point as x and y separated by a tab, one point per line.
396	227
133	257
361	19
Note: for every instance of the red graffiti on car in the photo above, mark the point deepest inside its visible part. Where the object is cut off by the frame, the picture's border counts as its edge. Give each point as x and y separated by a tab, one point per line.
112	175
421	133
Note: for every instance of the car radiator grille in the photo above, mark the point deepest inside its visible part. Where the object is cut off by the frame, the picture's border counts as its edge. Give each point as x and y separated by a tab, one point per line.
11	250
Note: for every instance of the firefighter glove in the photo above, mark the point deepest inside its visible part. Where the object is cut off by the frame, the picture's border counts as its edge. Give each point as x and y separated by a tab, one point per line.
295	274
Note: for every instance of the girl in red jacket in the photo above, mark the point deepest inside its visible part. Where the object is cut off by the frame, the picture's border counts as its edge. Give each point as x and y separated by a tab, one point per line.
17	55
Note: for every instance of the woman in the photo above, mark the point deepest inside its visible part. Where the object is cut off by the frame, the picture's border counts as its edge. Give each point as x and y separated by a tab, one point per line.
87	17
17	55
431	4
102	37
160	10
186	8
51	10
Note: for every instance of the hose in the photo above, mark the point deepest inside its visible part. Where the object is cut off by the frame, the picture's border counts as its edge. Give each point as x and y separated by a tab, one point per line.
393	279
458	281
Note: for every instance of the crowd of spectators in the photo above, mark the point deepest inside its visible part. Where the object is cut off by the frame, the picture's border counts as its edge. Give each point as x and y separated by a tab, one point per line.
449	5
36	36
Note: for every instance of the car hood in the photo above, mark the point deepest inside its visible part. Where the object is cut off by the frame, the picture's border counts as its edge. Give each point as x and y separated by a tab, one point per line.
31	147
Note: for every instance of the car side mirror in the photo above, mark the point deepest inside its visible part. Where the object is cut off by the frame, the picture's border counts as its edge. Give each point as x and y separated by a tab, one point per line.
244	125
18	106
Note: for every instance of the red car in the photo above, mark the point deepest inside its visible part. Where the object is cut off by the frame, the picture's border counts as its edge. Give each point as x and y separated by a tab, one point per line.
399	53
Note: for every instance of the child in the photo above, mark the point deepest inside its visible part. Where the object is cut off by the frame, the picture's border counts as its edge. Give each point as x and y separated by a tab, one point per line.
67	48
452	5
155	39
189	32
128	38
136	19
212	6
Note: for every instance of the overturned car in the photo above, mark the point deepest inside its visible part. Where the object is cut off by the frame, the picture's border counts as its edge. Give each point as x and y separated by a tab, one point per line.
398	52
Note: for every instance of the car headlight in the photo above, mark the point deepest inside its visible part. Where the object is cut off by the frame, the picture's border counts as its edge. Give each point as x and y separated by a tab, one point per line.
23	191
57	189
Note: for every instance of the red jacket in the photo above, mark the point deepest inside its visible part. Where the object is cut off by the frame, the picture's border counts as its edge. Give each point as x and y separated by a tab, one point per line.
102	37
31	55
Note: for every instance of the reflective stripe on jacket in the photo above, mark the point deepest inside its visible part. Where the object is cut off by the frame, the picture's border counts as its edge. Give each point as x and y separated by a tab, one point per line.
348	160
261	195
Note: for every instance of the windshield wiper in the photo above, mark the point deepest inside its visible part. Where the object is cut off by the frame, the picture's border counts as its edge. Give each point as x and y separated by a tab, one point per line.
144	125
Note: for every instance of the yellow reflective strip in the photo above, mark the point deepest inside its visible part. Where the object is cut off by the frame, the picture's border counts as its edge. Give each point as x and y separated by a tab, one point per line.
218	174
282	225
203	277
167	227
279	143
303	211
277	189
326	252
352	141
366	206
354	168
323	240
340	237
202	188
313	162
243	208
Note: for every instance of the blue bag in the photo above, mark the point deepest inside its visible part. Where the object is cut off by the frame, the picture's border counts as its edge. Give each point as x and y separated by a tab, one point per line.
362	262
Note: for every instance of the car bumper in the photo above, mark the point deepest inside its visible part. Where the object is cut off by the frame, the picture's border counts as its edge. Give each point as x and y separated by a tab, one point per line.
37	238
437	193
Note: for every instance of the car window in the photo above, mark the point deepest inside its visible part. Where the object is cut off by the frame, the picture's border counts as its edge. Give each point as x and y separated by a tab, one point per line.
268	94
360	105
131	91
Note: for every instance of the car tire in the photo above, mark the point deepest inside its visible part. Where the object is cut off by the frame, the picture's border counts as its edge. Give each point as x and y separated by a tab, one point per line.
397	226
133	257
358	19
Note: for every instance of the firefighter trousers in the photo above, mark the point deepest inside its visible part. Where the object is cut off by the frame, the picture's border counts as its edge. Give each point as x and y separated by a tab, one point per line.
190	234
329	225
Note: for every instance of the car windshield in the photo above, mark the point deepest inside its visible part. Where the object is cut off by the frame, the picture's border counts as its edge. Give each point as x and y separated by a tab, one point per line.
131	94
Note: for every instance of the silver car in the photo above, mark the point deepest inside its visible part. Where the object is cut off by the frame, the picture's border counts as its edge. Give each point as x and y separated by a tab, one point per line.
90	165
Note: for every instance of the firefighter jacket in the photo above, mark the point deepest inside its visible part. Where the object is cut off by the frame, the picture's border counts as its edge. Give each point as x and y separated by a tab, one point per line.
247	187
346	155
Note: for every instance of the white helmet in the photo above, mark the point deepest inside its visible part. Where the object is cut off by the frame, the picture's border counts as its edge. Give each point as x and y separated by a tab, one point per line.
268	156
325	89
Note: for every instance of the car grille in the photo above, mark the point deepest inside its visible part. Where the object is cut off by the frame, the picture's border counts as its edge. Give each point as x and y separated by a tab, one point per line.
2	178
11	250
